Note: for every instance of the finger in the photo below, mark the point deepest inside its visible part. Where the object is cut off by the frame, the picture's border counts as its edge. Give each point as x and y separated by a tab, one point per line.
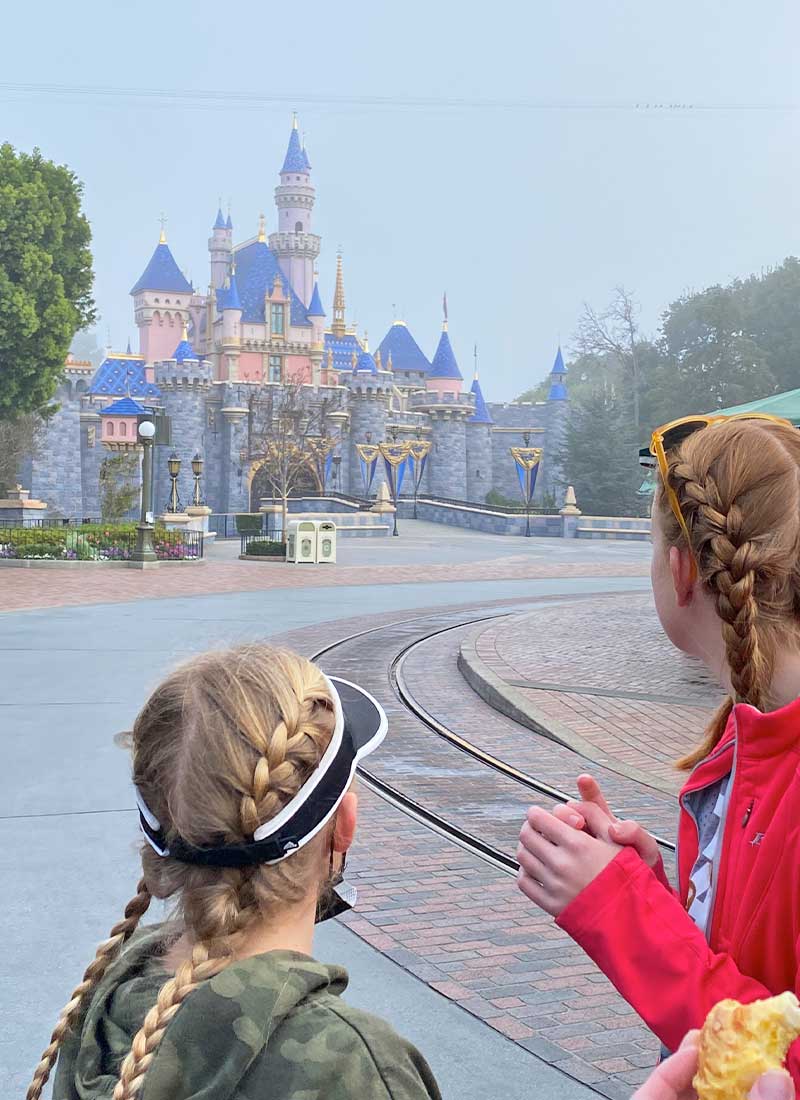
775	1085
597	821
551	828
691	1039
590	792
533	866
632	834
533	842
672	1079
536	893
569	815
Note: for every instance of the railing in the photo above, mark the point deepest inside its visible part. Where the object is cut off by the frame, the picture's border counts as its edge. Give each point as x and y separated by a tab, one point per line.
257	546
230	525
95	542
48	522
514	510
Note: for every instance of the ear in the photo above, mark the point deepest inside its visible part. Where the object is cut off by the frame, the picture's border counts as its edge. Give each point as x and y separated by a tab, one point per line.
346	820
684	575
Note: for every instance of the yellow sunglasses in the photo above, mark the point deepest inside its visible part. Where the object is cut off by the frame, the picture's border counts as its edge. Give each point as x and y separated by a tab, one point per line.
669	436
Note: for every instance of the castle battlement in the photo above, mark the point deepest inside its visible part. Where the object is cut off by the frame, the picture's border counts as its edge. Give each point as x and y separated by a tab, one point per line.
190	374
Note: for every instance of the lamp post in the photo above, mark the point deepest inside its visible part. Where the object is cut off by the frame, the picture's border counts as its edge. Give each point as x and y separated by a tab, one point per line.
395	456
197	470
527	459
174	466
419	449
337	463
143	550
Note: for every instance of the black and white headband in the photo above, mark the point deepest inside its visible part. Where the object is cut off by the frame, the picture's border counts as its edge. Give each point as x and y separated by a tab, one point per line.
360	726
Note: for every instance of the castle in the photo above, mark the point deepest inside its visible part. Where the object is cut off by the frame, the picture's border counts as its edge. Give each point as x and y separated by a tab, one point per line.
260	324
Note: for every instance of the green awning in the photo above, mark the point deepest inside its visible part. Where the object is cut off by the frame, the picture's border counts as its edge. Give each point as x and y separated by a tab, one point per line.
786	405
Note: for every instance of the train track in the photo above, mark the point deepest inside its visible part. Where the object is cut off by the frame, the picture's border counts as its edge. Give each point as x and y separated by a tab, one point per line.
411	807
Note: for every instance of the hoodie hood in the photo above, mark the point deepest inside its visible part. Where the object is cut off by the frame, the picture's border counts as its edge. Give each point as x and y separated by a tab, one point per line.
214	1038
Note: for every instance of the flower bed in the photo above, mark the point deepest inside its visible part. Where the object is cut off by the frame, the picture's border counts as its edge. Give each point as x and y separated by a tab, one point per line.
95	542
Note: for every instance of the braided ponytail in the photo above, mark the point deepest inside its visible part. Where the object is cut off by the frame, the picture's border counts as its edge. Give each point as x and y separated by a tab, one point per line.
738	485
73	1010
258	720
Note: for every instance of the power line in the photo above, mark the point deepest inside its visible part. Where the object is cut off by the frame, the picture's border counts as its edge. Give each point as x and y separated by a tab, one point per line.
211	99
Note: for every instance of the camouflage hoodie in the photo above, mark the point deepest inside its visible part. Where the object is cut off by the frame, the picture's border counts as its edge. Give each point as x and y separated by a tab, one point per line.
272	1027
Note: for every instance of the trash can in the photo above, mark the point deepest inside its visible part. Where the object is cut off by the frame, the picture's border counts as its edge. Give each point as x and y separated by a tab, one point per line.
326	541
301	545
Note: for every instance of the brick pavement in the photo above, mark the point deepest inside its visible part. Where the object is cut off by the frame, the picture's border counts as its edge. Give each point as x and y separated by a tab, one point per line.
24	589
446	916
604	670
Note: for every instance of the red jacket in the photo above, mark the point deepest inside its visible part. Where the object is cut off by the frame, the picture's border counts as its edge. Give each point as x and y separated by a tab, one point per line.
637	930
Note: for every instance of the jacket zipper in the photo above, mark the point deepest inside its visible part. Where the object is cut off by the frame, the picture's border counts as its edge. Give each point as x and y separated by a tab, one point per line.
747	813
687	810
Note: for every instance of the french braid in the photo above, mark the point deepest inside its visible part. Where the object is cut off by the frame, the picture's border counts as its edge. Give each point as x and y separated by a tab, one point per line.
738	486
267	769
73	1010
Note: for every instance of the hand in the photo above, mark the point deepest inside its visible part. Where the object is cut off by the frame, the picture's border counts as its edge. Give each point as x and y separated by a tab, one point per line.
594	814
672	1079
557	861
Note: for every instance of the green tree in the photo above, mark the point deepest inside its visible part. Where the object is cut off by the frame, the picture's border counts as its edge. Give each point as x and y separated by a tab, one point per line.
599	455
770	316
119	486
45	277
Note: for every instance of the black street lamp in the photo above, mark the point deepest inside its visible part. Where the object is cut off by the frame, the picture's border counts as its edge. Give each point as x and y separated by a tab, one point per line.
337	463
143	550
174	466
197	470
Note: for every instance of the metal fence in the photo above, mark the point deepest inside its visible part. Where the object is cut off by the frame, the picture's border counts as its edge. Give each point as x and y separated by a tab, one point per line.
49	522
95	543
258	546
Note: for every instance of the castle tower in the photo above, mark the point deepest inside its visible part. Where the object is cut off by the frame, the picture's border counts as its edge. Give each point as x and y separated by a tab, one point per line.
220	247
444	378
557	412
231	331
479	445
339	325
185	383
316	315
370	397
294	245
161	299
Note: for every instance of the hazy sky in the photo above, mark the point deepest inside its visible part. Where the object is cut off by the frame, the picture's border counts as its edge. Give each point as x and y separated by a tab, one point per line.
520	213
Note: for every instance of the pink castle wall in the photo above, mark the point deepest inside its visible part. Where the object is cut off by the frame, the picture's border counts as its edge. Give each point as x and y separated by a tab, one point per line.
250	366
442	386
118	429
158	340
297	368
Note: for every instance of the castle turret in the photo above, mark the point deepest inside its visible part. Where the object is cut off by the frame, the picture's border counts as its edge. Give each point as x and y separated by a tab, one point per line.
316	315
411	367
295	246
370	398
231	330
479	444
220	246
551	478
339	325
445	378
161	299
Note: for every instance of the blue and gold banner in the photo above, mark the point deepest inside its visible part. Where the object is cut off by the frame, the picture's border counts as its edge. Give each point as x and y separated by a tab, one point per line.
419	449
395	460
527	460
368	455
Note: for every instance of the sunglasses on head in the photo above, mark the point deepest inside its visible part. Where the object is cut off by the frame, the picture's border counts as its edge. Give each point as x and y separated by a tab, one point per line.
669	436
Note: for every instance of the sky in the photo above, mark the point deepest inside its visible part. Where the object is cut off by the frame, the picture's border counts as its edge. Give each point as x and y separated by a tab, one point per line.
523	157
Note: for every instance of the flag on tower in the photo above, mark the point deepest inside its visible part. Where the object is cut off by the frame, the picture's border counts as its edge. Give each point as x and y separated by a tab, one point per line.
444	305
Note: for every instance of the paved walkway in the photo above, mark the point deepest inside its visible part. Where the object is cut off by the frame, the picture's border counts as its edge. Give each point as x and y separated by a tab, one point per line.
603	678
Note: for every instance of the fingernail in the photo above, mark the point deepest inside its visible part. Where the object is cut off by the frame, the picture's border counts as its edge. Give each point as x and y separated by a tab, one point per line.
574	821
775	1085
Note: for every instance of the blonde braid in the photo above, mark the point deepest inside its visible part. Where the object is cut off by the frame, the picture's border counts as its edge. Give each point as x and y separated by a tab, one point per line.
218	910
72	1011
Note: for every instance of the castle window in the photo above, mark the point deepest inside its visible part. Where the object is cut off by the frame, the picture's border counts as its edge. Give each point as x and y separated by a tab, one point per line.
123	428
276	320
156	299
275	368
298	227
110	428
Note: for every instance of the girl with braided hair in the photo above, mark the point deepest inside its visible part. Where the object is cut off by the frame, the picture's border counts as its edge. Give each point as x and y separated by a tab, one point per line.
243	764
726	581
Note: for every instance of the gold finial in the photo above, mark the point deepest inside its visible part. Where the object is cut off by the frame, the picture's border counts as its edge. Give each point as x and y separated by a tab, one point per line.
262	230
366	340
475	353
389	366
294	120
163	235
378	359
185	335
339	326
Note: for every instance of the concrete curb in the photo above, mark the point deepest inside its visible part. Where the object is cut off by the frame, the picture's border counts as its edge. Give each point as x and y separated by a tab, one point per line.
511	702
51	563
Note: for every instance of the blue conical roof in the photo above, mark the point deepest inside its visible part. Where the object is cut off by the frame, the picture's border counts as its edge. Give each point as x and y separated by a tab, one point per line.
558	375
220	222
228	222
444	361
481	414
295	159
232	300
315	309
126	406
183	351
365	362
406	353
162	273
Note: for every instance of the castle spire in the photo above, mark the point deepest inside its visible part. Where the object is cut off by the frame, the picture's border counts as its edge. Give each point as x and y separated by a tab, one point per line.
475	356
162	239
444	311
339	327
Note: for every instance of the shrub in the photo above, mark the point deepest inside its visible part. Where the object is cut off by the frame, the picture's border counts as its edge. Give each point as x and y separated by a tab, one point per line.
249	523
265	548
